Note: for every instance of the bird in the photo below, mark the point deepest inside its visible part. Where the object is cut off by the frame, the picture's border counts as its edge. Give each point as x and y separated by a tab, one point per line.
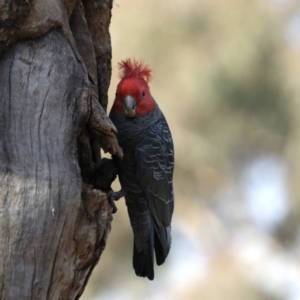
146	170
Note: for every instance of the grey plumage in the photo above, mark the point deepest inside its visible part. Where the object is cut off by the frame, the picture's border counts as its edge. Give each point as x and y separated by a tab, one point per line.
146	174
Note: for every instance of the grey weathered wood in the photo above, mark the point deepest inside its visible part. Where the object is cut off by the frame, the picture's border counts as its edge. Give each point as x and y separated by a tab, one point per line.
54	219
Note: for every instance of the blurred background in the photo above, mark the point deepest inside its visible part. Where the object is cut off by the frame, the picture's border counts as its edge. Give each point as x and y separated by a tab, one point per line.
226	75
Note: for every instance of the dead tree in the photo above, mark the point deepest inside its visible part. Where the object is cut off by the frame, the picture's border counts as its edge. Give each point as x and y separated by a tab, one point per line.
55	67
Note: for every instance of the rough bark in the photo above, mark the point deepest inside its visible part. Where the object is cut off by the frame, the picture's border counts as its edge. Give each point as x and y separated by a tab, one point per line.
54	214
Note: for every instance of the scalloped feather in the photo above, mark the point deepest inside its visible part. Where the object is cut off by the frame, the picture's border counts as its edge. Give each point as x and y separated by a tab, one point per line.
134	68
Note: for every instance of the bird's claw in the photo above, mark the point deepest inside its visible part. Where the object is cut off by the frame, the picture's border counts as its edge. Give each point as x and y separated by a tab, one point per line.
114	196
111	201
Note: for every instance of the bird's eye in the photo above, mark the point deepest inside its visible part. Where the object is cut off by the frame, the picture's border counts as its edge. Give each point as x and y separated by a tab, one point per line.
143	94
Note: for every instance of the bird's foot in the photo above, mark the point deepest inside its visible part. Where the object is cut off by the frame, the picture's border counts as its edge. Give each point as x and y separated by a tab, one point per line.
114	196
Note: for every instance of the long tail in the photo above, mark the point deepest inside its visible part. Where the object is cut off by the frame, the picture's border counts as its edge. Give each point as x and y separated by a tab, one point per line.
143	260
143	230
162	243
160	240
149	235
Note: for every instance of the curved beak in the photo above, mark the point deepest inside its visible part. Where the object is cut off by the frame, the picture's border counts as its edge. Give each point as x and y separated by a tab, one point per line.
129	106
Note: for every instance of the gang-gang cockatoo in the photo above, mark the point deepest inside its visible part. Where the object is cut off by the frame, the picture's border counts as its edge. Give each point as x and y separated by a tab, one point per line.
146	171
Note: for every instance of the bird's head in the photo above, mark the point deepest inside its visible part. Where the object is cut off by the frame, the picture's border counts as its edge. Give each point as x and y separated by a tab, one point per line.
133	93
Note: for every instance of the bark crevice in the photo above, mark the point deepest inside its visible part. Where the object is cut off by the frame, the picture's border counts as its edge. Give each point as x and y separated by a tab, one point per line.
54	214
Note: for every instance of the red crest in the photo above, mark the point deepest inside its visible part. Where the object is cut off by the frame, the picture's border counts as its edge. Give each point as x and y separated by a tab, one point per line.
134	68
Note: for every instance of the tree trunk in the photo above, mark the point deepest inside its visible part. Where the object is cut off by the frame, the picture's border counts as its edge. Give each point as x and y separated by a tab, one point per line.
54	215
